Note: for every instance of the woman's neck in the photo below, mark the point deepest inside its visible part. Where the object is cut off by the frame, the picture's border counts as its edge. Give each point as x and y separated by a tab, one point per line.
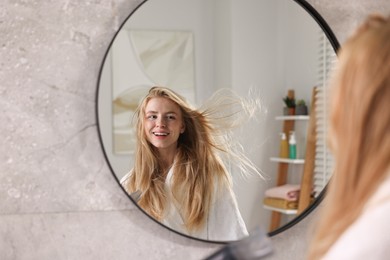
166	159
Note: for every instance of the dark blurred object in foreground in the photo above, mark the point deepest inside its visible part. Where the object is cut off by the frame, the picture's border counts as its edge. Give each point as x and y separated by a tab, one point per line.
256	246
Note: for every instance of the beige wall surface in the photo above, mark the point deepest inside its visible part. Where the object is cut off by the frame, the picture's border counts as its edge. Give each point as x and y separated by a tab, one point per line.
58	198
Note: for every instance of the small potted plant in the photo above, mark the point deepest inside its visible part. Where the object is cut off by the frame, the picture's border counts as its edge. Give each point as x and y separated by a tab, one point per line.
301	108
289	109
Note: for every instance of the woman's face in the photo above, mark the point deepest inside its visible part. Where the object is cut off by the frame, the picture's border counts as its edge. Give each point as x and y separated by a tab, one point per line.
163	123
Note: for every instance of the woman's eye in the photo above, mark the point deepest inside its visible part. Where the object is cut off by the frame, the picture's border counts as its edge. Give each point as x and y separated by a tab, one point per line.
171	117
151	117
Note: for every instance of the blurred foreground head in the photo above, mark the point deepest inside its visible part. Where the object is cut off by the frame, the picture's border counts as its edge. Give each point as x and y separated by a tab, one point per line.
359	129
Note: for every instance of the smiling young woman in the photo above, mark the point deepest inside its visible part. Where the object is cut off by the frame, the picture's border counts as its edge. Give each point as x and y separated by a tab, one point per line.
179	177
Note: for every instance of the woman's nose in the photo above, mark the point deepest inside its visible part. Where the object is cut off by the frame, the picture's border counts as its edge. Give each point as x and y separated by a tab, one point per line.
160	122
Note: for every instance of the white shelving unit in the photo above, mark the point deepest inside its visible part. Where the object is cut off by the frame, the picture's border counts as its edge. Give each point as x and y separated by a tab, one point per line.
288	125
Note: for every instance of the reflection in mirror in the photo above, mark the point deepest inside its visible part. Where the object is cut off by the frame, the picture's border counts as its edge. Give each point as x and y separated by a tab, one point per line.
180	175
198	47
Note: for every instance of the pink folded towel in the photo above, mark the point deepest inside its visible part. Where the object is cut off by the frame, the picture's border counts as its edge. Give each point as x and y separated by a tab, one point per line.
288	192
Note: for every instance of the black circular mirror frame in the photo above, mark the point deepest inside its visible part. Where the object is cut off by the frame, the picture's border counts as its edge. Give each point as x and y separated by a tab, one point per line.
335	44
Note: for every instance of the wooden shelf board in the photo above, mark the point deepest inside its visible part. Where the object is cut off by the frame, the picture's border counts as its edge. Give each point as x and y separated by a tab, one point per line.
284	211
286	160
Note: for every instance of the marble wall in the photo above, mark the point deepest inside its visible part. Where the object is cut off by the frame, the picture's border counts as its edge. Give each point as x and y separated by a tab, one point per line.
58	198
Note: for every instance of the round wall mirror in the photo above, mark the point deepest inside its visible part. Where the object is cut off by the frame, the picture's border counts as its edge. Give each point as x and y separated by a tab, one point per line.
271	49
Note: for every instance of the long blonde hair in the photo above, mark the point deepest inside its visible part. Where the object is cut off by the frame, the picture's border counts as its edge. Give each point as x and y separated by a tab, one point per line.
198	167
360	130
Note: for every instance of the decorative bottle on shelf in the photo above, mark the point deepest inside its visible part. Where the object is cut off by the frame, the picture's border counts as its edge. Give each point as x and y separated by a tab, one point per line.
283	146
292	146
